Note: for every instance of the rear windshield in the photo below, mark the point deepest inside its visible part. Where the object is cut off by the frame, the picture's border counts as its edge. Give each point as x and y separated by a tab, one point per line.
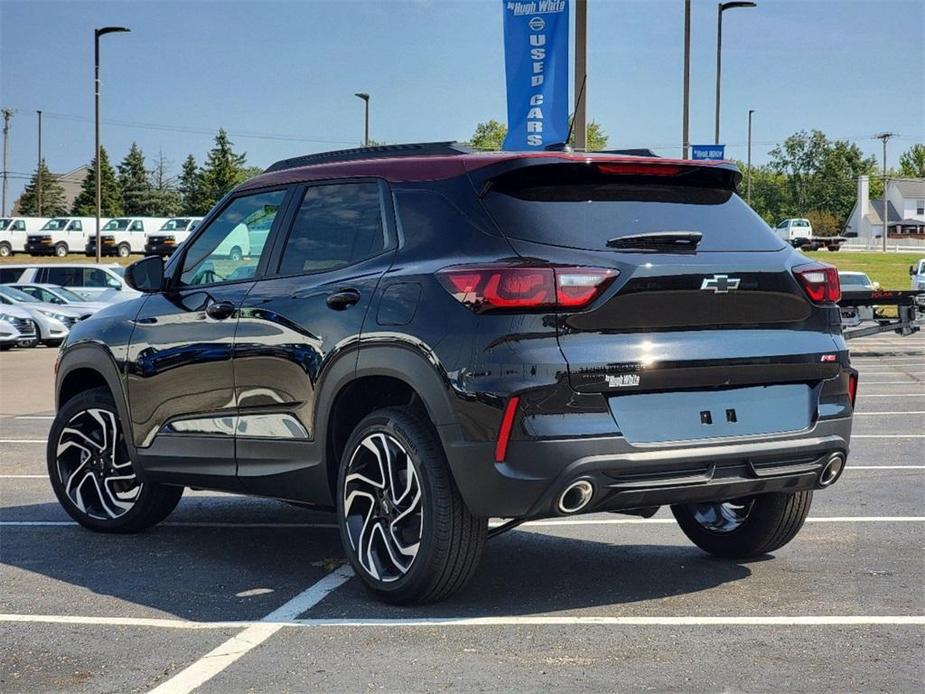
582	209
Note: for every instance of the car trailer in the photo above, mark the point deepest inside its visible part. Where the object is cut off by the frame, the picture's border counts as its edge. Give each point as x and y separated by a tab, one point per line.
910	311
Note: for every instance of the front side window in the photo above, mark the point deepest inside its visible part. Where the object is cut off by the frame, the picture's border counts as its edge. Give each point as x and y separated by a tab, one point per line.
98	278
231	247
336	226
137	225
76	225
19	225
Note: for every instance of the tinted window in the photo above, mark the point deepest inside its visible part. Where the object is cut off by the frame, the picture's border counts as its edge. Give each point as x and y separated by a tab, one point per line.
10	274
231	246
65	276
336	226
577	207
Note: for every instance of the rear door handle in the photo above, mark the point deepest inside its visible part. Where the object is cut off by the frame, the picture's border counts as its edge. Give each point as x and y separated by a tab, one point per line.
343	299
220	310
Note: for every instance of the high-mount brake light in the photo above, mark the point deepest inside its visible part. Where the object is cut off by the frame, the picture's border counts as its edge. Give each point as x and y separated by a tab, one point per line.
499	288
820	282
637	169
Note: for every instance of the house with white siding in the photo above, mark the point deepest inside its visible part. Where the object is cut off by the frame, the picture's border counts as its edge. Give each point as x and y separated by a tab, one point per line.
905	198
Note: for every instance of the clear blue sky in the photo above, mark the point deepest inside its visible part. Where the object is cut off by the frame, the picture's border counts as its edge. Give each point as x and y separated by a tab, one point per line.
280	77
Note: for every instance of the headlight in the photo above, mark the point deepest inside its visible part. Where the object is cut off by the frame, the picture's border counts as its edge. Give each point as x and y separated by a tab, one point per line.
5	318
57	316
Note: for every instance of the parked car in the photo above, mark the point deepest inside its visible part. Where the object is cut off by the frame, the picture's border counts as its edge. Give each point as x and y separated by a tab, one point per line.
61	235
92	282
17	329
123	236
52	322
53	294
13	233
855	283
174	232
799	234
917	275
431	337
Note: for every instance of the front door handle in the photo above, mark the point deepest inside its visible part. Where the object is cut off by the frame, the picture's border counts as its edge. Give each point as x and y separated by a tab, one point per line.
220	310
343	299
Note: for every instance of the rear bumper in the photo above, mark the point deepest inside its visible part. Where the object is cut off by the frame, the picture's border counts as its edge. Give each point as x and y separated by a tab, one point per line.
529	483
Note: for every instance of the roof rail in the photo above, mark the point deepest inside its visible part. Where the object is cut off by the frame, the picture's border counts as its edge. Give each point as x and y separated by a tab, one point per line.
417	149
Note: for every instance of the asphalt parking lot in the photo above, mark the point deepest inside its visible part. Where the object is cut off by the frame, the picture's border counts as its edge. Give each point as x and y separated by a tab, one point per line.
236	594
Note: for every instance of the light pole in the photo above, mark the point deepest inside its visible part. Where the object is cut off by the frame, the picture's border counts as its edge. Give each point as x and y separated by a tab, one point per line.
720	8
884	138
365	97
96	88
7	117
748	174
686	110
38	183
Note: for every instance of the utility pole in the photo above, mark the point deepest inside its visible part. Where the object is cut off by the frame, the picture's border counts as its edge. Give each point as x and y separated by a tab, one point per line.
7	116
365	97
748	174
38	178
884	138
581	73
686	111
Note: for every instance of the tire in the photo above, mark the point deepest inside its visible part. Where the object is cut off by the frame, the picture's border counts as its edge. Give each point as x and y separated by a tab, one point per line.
762	523
93	415
124	251
6	347
61	250
235	254
441	541
5	250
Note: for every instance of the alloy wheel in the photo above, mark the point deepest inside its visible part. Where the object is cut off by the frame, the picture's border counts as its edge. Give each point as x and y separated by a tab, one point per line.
93	465
722	517
383	507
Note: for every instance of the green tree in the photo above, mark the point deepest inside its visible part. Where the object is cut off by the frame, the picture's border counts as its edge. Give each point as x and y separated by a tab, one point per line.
912	162
53	203
488	136
190	188
110	193
162	199
222	171
770	193
133	180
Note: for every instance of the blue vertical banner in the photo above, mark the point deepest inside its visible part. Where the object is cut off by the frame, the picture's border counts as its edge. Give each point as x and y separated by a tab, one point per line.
536	50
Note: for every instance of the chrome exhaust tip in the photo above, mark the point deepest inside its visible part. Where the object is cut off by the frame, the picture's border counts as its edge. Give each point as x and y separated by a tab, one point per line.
832	470
575	497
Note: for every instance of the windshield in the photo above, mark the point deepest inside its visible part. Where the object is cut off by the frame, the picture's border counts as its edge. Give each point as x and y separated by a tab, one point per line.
4	223
118	269
66	294
854	280
578	208
175	225
56	224
117	225
16	295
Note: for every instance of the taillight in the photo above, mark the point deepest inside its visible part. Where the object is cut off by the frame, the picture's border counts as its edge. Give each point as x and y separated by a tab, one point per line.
639	169
494	288
852	387
820	282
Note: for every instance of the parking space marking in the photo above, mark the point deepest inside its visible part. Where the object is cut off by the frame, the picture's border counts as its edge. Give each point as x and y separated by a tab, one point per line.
10	477
888	436
23	440
180	524
34	416
883	414
227	653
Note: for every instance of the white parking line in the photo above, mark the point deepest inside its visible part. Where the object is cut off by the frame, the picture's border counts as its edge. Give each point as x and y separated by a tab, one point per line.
23	440
875	414
888	436
539	620
891	395
177	524
35	416
224	655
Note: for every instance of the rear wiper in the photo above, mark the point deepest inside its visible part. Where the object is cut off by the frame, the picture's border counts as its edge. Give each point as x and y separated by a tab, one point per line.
658	239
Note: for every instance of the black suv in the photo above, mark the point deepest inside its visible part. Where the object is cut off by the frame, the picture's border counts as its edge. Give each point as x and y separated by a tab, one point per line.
421	338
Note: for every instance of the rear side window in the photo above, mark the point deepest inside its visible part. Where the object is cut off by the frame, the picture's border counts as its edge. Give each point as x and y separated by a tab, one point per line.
336	226
10	274
576	207
65	276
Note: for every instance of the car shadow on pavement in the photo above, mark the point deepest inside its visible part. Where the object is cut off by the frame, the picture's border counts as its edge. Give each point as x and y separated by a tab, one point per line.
195	571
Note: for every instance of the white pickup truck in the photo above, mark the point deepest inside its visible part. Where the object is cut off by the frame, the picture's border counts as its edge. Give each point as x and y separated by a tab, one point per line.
799	234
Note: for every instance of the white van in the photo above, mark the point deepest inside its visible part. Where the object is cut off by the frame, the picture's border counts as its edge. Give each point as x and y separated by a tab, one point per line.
175	231
123	236
61	235
13	232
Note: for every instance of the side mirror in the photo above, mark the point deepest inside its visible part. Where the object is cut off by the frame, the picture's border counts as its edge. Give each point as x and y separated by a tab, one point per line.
146	275
911	271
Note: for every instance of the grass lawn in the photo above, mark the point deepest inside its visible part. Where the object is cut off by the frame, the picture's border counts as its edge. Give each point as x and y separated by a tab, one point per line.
26	259
891	270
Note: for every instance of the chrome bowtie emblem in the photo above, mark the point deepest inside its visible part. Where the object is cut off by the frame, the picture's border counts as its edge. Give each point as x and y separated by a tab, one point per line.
720	284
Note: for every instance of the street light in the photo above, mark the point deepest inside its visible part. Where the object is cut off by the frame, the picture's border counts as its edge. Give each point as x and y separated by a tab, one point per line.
365	97
748	180
720	8
96	86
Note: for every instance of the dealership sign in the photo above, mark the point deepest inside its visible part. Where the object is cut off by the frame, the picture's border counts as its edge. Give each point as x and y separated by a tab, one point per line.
536	64
708	152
